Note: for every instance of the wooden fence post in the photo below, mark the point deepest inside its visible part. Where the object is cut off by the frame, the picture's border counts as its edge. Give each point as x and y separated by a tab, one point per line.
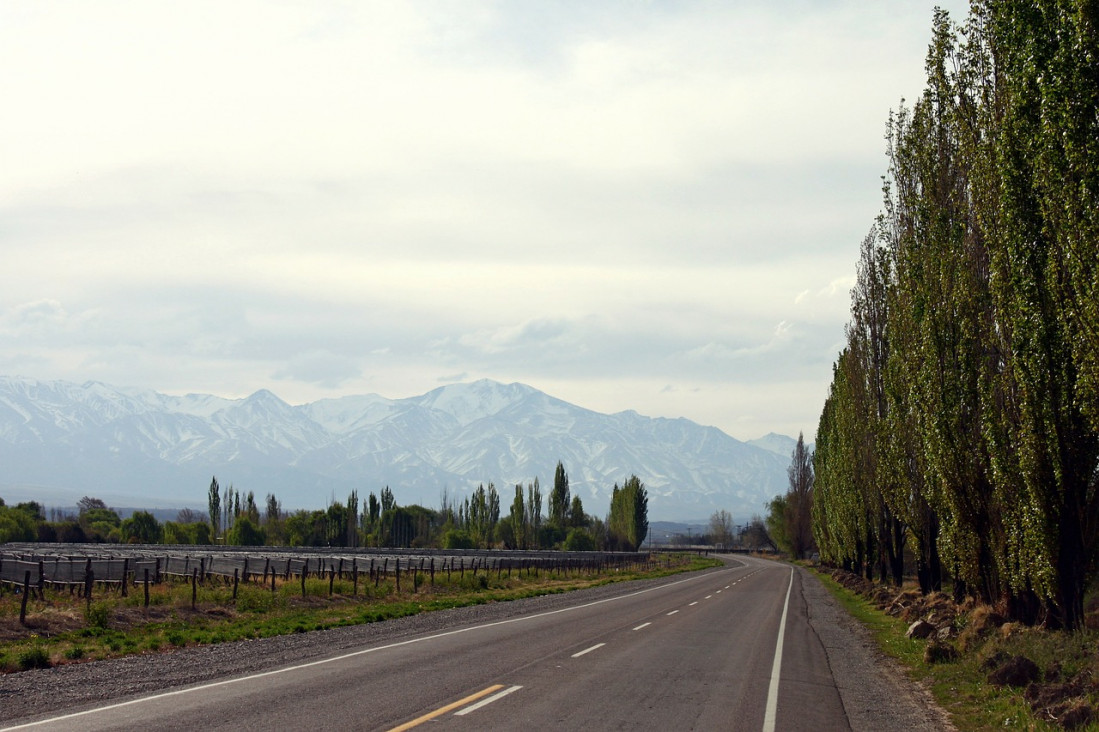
354	577
146	587
397	574
331	578
304	569
26	591
194	587
236	579
89	580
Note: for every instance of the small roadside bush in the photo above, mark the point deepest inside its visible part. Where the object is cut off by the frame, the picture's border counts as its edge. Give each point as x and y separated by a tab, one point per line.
579	540
457	539
33	657
259	601
98	616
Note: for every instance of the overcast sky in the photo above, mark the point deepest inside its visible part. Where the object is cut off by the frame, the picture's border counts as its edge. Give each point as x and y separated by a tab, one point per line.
629	205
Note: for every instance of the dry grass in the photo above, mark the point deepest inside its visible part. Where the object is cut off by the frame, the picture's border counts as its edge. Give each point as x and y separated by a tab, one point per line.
973	647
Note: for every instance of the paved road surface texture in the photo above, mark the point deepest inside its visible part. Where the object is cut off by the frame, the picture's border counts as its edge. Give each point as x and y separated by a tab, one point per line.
756	645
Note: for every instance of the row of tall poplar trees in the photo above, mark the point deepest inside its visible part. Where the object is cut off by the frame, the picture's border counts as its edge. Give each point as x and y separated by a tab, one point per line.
963	413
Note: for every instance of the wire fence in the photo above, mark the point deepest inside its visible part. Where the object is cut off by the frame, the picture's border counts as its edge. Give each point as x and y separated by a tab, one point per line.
40	565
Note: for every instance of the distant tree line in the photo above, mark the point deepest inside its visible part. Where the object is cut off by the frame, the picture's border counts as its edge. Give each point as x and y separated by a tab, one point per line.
236	518
721	534
962	420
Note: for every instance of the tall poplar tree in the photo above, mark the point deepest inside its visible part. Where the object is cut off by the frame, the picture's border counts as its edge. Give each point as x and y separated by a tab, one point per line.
559	498
214	506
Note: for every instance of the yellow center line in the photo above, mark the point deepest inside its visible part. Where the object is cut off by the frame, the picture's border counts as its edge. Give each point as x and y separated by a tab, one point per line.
449	707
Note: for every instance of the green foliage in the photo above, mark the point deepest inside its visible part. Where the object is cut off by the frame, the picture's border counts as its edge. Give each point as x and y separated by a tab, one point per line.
192	533
214	504
141	528
481	514
33	657
176	637
629	518
245	532
97	616
255	600
408	526
964	410
517	529
456	539
16	525
579	540
777	527
101	524
559	498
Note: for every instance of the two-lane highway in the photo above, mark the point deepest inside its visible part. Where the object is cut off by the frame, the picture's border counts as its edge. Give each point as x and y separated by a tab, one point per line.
724	649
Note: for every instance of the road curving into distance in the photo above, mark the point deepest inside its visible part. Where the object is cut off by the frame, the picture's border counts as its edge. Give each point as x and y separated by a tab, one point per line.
755	645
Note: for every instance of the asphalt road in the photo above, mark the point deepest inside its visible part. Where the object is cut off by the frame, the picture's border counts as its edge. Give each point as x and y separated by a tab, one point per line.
702	652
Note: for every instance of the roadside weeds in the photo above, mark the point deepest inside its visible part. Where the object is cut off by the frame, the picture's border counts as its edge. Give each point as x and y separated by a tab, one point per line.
983	671
61	629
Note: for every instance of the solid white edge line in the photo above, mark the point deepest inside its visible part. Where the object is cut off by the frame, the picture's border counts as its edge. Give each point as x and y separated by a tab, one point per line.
344	656
772	691
588	650
487	700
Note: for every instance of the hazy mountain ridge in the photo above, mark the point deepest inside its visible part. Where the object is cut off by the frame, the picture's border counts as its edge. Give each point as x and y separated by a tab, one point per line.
97	439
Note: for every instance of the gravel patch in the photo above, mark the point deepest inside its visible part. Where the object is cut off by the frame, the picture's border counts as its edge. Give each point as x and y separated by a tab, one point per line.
876	691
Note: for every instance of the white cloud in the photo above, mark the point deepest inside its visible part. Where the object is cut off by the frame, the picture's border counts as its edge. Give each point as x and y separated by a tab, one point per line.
600	199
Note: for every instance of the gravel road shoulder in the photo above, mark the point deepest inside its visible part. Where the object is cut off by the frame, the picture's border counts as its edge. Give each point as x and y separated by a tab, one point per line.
876	691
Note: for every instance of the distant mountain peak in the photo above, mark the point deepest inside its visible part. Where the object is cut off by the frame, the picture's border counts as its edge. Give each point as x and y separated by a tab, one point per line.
776	443
468	402
93	438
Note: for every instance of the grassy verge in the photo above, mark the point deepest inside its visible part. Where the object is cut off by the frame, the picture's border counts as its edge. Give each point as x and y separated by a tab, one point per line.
1065	689
63	628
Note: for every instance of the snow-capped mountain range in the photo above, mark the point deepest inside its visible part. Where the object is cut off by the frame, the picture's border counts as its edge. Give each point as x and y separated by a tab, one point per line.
60	441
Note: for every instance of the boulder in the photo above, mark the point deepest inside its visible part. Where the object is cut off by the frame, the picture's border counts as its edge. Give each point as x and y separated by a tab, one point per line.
920	629
939	652
1015	671
1075	714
